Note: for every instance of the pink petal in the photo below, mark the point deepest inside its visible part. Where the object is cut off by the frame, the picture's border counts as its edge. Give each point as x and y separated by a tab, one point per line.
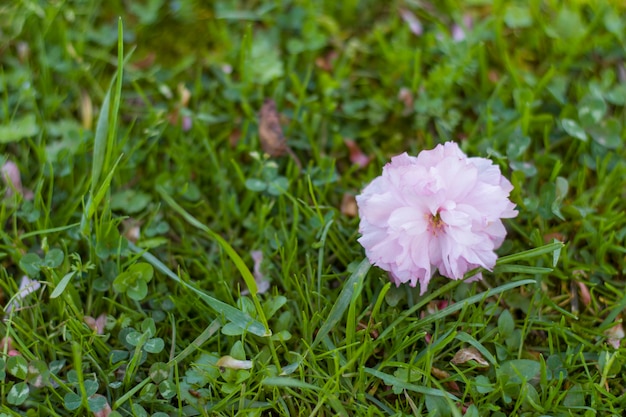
414	24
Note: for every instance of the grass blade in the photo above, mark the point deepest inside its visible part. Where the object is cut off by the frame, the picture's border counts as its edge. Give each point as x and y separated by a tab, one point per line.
230	313
232	254
289	383
532	253
351	288
105	135
392	380
58	290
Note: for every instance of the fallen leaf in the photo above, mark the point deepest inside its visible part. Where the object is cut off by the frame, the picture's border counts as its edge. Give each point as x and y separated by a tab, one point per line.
184	93
441	374
406	97
146	62
234	137
493	76
357	157
132	229
273	141
23	51
615	335
349	206
585	295
469	354
326	62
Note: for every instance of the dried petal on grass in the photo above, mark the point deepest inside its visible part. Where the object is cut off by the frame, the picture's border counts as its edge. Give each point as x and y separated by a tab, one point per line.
145	62
262	283
105	412
357	157
326	62
585	295
414	23
458	32
436	305
348	205
234	137
273	141
549	237
493	76
13	181
132	229
615	335
469	354
7	343
184	93
97	325
23	51
174	117
406	97
27	286
86	110
229	362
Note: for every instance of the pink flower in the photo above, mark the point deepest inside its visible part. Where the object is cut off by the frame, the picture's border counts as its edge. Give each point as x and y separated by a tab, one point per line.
439	210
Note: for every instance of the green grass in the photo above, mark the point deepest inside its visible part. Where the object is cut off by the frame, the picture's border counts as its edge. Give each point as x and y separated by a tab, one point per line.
151	227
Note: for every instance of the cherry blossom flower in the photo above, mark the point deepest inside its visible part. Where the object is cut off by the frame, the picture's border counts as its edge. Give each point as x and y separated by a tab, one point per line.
438	211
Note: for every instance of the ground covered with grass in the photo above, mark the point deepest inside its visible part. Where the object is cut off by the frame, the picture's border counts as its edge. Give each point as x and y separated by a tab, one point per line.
180	230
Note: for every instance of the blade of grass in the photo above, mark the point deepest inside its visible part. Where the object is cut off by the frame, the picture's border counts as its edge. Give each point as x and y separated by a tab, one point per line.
230	313
195	345
105	136
232	254
351	288
532	253
453	307
392	380
281	381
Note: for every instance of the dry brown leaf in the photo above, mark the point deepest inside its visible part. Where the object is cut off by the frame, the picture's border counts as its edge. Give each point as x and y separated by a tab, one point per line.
585	295
326	62
615	335
406	97
273	140
440	374
145	62
348	205
357	157
23	51
469	354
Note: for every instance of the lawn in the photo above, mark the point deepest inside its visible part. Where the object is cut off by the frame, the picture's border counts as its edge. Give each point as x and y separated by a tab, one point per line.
181	229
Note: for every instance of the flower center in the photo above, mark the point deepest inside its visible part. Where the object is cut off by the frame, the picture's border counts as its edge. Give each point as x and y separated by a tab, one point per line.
435	223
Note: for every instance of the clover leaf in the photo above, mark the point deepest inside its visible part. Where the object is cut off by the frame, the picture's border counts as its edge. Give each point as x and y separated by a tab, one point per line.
134	281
